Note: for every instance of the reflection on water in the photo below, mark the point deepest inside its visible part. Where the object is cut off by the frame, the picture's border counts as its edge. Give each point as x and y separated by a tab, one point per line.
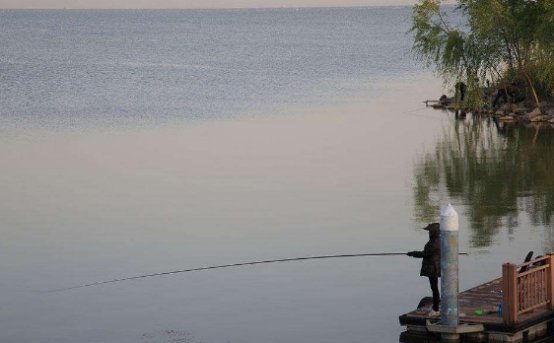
91	205
497	172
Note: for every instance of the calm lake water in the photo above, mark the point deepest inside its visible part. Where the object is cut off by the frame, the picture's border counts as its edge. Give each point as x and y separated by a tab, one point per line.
136	142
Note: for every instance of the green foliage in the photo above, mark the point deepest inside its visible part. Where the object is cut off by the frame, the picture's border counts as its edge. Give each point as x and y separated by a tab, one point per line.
435	42
500	41
545	56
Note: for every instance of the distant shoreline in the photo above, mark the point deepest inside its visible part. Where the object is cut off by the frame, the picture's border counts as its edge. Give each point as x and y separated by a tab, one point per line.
197	8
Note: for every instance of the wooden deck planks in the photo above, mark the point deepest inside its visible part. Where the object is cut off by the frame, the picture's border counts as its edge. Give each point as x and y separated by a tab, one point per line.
487	297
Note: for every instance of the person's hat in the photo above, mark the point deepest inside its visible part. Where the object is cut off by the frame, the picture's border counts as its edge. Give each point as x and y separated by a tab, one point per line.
432	227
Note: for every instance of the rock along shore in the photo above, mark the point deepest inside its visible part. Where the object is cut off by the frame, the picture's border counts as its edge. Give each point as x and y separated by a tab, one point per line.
517	113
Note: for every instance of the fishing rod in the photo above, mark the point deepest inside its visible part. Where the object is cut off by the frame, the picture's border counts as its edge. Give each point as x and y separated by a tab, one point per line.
236	265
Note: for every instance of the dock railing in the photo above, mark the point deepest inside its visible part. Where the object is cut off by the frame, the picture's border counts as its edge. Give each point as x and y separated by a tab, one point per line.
526	287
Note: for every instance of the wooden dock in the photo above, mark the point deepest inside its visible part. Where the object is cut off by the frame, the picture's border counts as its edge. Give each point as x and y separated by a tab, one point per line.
526	294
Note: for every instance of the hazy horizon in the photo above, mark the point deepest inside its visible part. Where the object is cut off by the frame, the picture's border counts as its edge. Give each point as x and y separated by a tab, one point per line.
192	4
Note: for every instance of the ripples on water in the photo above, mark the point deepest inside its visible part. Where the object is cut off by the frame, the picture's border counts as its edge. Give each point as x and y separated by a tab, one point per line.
107	67
79	206
147	190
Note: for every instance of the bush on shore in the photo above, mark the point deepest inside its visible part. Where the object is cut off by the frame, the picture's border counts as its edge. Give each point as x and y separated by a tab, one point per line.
497	44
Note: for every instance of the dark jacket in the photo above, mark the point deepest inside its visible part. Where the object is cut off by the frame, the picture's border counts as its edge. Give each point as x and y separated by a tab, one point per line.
431	254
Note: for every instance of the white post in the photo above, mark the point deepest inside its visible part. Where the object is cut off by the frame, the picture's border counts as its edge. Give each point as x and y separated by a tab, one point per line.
449	269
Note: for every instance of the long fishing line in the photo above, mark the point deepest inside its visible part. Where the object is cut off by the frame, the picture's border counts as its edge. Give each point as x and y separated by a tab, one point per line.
99	283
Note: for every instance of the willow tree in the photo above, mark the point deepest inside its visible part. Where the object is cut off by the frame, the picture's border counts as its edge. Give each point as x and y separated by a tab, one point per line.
545	39
497	40
511	26
453	51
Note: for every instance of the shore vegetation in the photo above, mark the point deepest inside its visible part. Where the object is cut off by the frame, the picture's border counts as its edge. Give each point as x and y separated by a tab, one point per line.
500	51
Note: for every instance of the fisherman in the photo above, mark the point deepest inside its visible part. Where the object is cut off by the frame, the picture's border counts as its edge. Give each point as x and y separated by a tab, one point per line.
430	265
511	92
461	89
444	101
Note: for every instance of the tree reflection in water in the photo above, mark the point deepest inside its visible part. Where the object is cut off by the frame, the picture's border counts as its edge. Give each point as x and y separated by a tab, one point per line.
495	171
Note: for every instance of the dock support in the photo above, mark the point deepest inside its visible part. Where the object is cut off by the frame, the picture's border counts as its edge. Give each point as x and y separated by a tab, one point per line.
449	271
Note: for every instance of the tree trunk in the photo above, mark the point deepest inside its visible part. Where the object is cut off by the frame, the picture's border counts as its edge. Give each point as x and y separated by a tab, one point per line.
533	90
529	82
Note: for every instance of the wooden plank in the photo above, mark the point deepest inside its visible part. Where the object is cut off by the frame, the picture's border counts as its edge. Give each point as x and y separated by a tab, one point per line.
521	287
535	292
531	308
540	294
506	303
510	294
545	285
523	297
533	287
550	280
530	292
531	271
538	298
544	258
540	277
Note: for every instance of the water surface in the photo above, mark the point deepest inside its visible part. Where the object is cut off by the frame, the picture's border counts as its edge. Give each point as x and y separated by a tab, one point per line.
146	141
